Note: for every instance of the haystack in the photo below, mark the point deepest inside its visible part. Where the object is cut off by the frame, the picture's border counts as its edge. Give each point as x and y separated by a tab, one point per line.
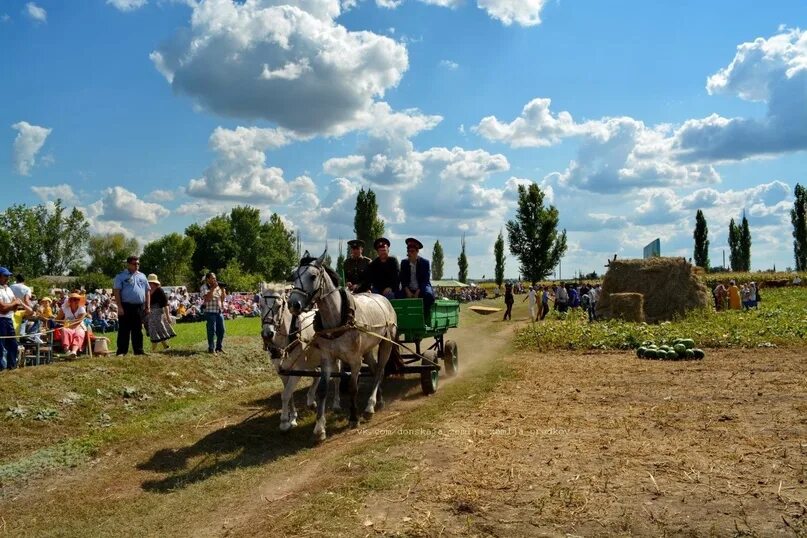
627	306
670	287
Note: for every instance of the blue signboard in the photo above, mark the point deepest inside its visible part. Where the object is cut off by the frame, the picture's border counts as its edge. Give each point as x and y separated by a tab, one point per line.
653	249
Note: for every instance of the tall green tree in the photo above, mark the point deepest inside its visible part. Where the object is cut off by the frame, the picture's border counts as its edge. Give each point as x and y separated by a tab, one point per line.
108	253
533	234
42	240
236	279
340	264
366	224
735	255
170	257
278	254
798	217
245	227
745	245
438	261
462	263
701	235
498	254
215	246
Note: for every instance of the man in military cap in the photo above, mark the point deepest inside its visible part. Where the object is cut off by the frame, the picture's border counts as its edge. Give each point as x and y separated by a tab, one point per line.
415	277
355	265
382	275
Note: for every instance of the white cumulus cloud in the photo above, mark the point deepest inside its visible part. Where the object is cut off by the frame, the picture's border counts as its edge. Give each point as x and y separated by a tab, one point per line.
127	5
521	12
773	71
36	12
240	172
29	140
119	204
52	193
287	62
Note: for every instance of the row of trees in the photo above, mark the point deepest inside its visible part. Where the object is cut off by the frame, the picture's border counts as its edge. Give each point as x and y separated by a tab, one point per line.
240	247
739	239
739	244
50	240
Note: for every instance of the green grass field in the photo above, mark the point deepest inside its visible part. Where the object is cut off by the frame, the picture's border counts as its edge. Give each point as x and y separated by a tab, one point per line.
194	335
781	320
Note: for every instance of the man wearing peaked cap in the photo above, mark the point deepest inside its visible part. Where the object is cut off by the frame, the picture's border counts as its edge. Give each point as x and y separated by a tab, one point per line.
355	265
381	275
415	276
8	305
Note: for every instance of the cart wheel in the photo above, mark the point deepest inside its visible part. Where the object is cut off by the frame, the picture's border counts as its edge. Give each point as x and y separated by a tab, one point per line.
451	359
428	378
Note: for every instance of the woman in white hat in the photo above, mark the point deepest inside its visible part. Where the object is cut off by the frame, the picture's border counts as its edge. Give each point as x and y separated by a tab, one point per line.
159	321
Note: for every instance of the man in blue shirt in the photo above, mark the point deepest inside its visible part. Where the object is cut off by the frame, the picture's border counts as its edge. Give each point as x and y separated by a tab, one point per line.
132	295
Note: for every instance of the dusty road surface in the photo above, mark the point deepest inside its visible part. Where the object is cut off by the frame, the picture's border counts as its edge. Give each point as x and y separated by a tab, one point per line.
519	444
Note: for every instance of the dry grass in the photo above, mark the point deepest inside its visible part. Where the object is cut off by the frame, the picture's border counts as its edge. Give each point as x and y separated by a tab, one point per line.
604	444
670	287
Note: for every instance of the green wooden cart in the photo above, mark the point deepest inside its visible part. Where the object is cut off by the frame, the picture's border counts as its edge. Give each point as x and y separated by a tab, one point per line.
413	329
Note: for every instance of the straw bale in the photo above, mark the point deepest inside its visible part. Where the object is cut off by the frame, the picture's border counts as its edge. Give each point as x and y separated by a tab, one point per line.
627	306
670	287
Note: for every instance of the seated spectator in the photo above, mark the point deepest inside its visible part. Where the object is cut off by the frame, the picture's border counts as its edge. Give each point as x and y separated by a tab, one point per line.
73	332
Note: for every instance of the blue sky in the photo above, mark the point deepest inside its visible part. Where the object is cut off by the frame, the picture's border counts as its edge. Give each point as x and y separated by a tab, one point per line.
152	114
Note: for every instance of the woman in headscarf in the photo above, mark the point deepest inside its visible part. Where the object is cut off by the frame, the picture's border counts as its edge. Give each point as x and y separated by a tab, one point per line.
159	321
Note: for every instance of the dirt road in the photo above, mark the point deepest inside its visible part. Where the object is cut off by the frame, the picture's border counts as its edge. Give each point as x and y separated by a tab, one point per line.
519	444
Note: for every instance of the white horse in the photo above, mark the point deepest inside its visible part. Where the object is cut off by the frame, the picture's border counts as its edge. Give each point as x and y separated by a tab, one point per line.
286	337
374	326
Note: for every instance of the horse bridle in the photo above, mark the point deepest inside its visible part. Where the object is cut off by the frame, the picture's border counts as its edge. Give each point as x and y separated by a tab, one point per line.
311	296
293	337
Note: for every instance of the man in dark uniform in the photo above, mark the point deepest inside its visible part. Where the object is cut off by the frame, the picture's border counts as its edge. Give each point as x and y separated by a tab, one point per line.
381	275
355	265
415	277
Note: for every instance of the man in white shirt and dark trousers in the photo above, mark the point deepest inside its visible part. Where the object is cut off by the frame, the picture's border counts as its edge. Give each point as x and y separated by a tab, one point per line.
8	339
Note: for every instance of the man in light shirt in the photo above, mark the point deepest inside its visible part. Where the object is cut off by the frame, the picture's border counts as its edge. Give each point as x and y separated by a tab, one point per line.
8	305
21	291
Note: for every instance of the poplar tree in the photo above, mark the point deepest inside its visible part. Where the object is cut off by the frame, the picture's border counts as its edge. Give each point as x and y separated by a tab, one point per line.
735	257
701	235
366	224
798	217
438	261
498	252
462	264
745	245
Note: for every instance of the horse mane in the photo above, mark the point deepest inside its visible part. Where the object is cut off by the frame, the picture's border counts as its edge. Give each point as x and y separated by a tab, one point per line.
307	260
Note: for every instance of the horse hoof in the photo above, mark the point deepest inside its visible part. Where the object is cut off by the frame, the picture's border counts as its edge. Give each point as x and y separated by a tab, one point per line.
337	407
285	426
353	424
368	414
312	405
319	437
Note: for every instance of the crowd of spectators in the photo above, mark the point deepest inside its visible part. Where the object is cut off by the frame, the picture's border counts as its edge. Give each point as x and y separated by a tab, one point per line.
188	307
39	314
463	295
